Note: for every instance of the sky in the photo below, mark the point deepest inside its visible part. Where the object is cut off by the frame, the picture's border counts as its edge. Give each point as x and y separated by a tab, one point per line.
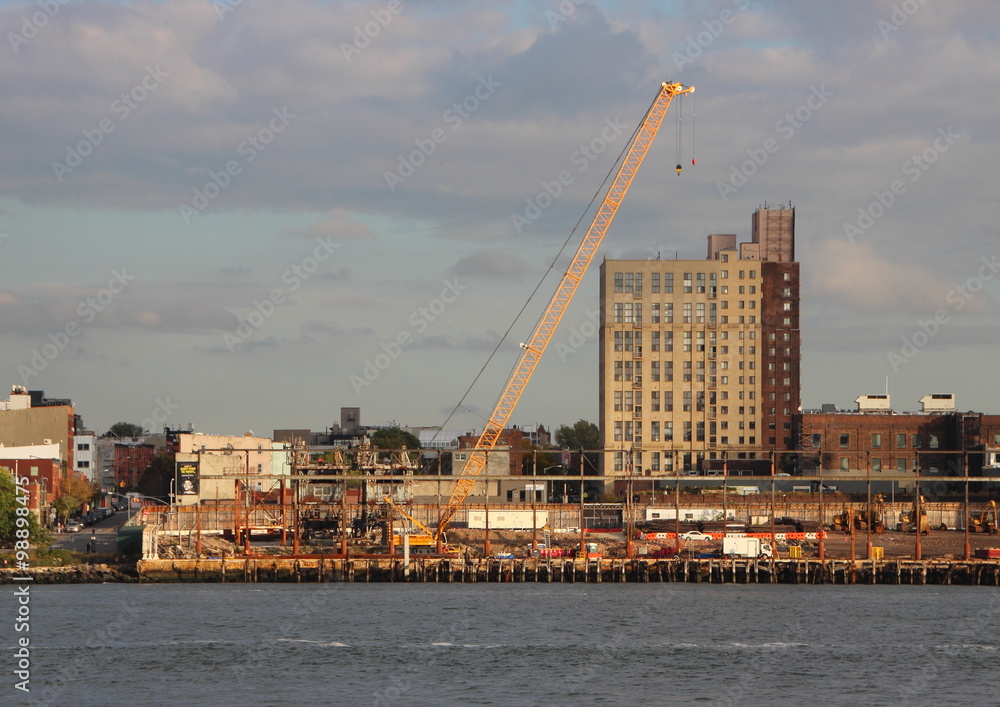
244	216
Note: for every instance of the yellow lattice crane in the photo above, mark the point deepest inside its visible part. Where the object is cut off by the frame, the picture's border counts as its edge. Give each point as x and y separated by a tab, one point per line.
535	346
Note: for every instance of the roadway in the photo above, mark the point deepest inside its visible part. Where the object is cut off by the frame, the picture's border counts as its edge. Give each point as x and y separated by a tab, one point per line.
104	534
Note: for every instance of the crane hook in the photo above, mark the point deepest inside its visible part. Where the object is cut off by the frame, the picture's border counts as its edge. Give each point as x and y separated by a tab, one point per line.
679	168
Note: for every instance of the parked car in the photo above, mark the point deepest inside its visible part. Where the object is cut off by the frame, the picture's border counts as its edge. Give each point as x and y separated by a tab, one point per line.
74	526
695	535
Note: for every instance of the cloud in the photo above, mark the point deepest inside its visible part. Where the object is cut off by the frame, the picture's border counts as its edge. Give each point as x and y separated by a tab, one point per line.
858	277
492	265
338	225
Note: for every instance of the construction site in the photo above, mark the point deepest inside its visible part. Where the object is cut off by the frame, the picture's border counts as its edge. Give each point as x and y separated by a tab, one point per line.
363	514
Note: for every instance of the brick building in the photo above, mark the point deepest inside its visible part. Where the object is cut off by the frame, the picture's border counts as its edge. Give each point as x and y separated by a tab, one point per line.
877	441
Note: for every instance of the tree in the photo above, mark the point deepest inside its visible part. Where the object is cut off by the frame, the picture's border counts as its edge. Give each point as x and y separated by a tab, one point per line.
582	435
75	491
126	429
394	438
537	459
8	514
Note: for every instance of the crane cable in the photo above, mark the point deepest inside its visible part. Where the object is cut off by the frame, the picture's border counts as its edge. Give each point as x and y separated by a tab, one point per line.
551	267
694	124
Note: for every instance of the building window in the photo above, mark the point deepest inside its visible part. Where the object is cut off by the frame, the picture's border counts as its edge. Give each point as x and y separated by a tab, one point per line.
618	370
629	282
845	441
668	313
701	283
787	306
845	464
83	465
654	371
654	313
618	312
876	441
618	401
618	430
901	465
618	340
876	463
654	341
619	461
654	431
83	447
916	441
687	312
654	283
618	282
932	441
654	462
654	402
901	441
687	283
668	402
668	283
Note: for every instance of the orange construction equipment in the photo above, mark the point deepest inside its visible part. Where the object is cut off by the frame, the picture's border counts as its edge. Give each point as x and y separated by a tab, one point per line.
546	327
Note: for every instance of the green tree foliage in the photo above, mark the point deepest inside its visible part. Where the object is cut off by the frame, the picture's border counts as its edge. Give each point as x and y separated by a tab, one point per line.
394	438
127	429
582	435
8	513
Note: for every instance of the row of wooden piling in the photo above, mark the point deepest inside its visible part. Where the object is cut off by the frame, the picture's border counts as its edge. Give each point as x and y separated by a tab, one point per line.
488	570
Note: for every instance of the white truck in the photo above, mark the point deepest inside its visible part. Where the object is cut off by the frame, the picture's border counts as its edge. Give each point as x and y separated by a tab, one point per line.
746	547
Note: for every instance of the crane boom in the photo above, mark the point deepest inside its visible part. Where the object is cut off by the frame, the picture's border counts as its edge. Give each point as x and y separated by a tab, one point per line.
546	327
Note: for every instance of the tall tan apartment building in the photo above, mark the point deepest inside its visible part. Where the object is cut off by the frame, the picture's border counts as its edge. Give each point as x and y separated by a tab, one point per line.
699	362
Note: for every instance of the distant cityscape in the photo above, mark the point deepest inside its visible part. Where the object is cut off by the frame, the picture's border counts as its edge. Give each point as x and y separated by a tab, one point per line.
699	375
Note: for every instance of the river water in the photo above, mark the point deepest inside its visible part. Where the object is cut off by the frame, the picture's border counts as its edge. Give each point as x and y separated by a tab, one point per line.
511	644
